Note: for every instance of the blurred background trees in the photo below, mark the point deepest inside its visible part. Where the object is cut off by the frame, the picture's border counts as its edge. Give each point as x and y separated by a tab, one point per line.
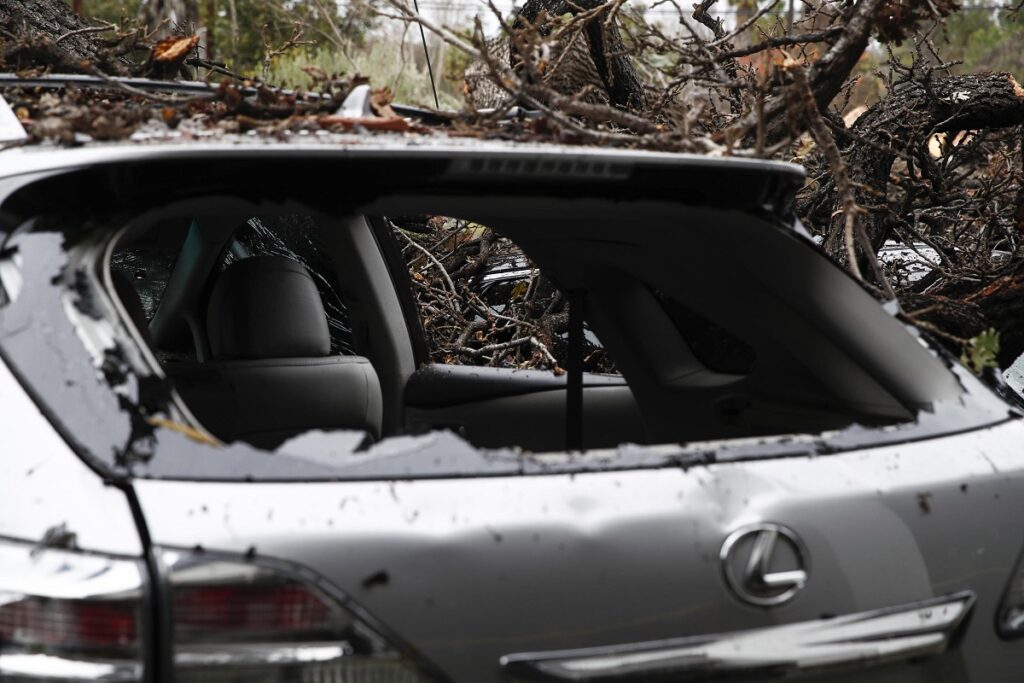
239	33
350	37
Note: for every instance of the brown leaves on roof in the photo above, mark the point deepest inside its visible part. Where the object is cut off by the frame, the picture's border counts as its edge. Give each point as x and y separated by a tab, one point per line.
384	119
391	124
71	116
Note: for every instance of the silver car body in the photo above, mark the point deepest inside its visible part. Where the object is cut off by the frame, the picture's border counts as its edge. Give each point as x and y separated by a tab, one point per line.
480	572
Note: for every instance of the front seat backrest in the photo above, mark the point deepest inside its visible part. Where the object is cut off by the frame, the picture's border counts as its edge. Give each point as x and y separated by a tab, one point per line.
266	307
271	376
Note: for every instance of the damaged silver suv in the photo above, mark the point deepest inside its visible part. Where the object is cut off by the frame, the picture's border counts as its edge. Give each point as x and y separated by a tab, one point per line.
228	456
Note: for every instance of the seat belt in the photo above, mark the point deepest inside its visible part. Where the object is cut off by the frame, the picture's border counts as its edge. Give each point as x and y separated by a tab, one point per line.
574	387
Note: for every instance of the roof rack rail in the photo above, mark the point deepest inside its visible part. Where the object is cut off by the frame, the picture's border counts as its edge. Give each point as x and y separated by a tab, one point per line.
58	81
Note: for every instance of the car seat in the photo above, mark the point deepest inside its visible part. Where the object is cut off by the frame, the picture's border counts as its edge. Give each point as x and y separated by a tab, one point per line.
271	375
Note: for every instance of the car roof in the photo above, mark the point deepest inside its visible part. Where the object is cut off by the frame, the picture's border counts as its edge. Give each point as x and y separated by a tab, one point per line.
32	158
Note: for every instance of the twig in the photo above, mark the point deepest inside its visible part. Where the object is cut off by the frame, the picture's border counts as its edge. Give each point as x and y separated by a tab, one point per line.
700	13
432	259
852	231
87	29
270	53
745	25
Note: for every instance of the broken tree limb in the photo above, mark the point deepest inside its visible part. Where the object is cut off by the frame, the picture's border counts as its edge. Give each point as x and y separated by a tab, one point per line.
605	47
826	76
909	115
49	33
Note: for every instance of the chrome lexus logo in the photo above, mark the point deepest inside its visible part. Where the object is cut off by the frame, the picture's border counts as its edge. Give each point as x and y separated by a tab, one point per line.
764	564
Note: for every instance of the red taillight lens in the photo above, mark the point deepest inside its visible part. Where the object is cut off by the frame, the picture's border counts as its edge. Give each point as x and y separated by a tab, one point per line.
285	610
102	626
69	616
238	621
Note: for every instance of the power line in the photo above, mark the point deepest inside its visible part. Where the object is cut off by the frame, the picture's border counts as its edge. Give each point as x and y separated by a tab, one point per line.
426	55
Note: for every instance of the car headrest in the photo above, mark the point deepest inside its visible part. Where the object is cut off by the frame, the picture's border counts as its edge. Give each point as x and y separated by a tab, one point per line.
131	301
266	307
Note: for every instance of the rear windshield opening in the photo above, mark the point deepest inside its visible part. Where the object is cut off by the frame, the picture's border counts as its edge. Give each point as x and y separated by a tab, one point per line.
275	324
482	301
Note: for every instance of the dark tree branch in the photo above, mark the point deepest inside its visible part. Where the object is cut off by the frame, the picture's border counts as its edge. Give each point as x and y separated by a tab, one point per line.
911	113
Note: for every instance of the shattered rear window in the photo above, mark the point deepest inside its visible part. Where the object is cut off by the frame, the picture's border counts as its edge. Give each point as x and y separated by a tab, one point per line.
482	301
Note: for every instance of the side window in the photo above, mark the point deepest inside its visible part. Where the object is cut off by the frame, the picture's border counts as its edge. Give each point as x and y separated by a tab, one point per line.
296	237
148	266
483	302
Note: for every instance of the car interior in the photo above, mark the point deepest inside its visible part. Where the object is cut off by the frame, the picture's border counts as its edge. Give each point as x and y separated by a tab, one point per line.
275	319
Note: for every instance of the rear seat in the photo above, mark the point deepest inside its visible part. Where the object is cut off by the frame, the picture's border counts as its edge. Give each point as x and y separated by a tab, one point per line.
271	376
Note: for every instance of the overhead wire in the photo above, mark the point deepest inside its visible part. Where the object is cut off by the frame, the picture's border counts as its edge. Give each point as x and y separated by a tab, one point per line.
426	55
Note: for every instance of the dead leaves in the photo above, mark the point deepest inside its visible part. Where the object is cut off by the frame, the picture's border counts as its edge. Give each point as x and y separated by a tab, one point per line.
394	124
76	116
384	120
173	50
70	118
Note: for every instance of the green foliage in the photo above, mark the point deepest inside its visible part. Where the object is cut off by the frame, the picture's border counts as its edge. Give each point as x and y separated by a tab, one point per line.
981	38
238	33
263	23
984	40
111	11
381	62
454	65
981	351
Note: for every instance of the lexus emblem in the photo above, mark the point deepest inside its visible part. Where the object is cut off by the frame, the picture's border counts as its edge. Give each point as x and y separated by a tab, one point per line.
764	564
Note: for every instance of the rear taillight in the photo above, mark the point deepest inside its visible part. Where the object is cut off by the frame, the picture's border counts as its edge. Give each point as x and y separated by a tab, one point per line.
240	621
69	616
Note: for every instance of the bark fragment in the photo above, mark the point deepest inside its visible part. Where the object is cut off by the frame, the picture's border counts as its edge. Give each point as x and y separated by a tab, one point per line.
49	33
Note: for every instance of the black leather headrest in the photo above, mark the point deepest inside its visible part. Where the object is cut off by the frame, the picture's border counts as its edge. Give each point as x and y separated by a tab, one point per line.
266	307
131	301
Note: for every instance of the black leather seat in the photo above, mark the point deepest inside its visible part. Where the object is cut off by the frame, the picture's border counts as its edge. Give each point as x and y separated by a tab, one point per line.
271	376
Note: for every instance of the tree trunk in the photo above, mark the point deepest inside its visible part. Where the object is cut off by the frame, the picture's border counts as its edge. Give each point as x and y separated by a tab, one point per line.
621	81
210	11
171	14
911	114
48	33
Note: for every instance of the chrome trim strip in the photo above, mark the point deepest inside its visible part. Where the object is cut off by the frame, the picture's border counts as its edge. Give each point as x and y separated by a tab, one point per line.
863	639
51	667
259	654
